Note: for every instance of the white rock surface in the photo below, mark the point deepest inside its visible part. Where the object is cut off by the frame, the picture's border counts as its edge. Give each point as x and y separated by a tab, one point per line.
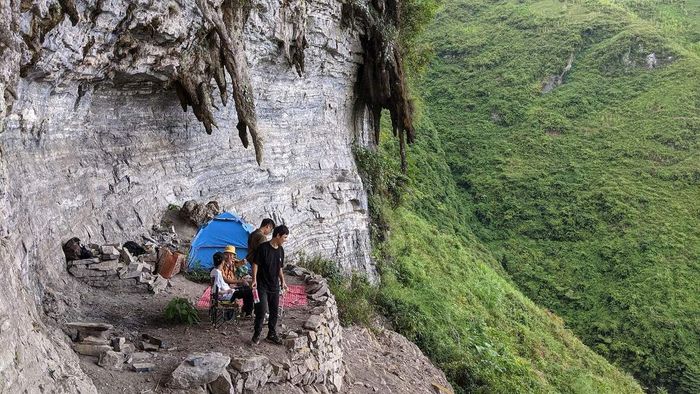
95	146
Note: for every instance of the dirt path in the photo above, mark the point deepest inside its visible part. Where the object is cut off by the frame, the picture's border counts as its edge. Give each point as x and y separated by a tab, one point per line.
376	363
133	314
388	363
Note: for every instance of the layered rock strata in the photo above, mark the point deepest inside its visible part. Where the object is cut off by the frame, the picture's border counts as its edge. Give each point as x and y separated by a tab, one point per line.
96	145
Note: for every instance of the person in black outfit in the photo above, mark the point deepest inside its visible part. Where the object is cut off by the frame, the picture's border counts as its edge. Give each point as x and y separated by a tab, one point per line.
267	278
258	237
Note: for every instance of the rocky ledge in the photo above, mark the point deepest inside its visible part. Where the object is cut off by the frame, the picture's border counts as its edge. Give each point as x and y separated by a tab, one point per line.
313	361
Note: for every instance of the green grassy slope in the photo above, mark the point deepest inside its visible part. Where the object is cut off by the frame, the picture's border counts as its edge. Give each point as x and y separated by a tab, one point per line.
589	195
443	289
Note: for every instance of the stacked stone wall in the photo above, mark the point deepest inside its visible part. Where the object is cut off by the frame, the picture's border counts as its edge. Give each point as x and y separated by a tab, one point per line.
314	352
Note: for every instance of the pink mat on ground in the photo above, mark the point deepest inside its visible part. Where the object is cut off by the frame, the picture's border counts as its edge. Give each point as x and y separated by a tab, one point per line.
294	296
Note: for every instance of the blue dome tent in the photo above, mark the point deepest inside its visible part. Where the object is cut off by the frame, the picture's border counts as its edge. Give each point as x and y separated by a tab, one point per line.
225	229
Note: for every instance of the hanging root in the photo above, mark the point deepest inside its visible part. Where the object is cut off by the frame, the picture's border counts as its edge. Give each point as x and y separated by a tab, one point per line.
193	89
219	51
216	62
381	80
290	30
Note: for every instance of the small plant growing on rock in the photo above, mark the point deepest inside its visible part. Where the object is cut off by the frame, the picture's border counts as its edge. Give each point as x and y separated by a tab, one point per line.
180	310
197	274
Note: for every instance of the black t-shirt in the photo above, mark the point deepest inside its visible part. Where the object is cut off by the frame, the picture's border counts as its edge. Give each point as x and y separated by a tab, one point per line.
269	261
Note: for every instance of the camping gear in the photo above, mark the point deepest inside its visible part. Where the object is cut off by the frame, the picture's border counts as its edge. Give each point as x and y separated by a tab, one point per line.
169	263
225	229
75	250
294	296
204	301
134	248
220	311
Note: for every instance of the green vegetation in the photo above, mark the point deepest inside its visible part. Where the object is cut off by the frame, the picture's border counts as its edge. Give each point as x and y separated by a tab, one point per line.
587	196
443	290
355	297
181	311
558	156
198	275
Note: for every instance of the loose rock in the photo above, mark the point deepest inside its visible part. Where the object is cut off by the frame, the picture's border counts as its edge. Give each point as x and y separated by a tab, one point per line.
118	343
109	265
249	364
138	357
109	250
85	329
143	367
209	368
90	350
111	360
296	343
84	262
92	340
159	284
313	322
147	346
154	340
222	385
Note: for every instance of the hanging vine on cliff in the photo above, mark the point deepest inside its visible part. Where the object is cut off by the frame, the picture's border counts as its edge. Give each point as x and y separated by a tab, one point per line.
221	49
381	80
290	30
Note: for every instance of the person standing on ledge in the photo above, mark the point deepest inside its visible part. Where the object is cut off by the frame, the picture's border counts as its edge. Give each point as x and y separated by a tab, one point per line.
257	238
268	279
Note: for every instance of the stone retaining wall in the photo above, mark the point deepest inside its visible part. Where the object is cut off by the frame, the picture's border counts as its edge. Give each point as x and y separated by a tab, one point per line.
315	355
115	268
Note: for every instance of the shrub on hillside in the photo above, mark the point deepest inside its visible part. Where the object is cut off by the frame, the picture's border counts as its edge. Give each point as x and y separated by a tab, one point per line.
632	49
355	296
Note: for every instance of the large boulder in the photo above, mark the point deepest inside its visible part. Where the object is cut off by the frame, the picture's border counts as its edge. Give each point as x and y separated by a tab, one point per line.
199	214
199	369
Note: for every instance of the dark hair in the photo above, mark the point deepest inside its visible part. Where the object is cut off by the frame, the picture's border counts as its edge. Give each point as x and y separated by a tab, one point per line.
267	222
280	230
218	259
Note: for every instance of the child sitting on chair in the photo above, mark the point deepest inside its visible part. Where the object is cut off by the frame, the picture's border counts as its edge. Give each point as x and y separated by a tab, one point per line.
225	291
240	288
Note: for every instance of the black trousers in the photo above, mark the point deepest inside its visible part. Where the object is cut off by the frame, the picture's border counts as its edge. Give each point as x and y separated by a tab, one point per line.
246	293
269	300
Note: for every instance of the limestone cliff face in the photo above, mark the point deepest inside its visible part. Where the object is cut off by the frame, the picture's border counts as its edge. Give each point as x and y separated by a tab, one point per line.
95	144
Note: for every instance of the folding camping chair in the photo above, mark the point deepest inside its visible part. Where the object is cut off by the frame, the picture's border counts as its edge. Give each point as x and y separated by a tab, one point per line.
218	309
